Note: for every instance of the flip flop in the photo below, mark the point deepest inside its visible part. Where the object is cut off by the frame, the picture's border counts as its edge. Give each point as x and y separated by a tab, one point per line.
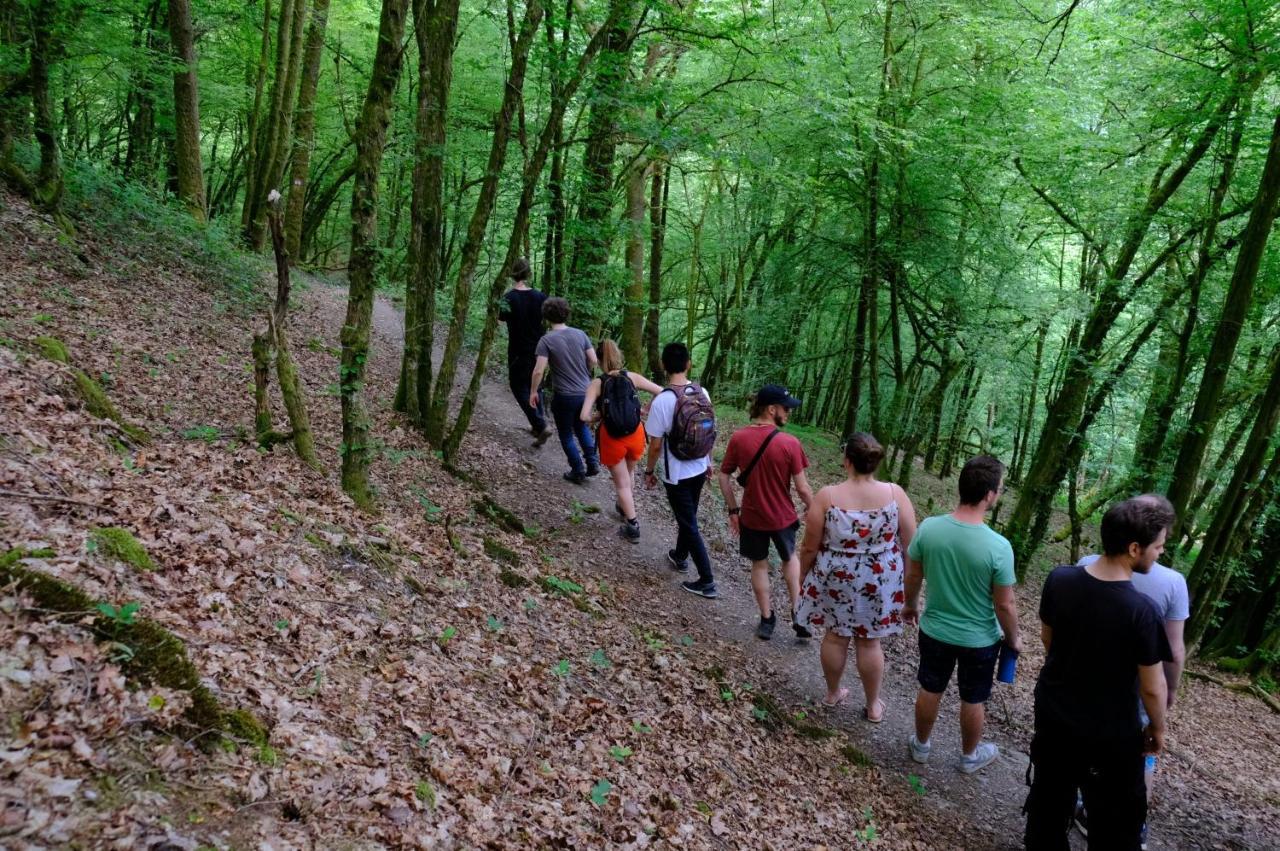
841	696
866	716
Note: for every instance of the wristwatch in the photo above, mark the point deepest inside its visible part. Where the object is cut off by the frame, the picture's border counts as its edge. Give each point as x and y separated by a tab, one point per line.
737	509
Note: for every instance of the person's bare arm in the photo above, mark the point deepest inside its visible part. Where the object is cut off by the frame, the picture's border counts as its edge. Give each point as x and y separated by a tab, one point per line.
1154	692
813	528
1007	614
651	463
906	518
1173	670
539	369
801	483
642	383
914	579
1046	635
589	401
730	500
592	360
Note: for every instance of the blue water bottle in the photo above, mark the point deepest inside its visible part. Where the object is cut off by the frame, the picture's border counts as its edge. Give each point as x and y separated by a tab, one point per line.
1007	664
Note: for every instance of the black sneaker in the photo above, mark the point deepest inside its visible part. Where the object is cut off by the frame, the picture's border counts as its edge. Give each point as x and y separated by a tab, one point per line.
702	589
630	532
593	469
1081	819
802	631
680	564
542	436
575	476
765	630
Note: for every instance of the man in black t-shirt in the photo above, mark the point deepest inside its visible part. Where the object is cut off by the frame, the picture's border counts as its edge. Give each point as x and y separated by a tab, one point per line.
1105	647
521	309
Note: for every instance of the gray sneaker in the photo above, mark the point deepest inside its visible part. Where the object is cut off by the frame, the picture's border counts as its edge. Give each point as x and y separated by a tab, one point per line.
629	532
919	752
982	756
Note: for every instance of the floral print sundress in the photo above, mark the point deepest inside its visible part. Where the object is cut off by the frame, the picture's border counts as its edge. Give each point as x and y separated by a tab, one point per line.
855	588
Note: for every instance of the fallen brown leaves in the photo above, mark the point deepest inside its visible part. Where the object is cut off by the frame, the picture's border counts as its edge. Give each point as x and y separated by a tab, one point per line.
414	698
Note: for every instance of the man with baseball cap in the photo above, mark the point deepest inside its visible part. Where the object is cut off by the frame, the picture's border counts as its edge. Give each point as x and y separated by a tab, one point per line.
768	463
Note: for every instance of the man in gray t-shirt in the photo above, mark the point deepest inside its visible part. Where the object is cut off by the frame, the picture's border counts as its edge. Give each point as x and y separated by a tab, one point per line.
569	353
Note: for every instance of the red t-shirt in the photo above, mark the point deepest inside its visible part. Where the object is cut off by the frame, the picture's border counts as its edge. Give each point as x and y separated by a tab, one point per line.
766	504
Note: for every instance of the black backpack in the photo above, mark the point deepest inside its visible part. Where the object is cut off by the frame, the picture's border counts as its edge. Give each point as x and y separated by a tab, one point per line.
619	405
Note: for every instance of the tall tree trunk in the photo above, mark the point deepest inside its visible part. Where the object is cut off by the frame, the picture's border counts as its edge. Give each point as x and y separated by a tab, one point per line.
304	126
594	236
1030	515
295	402
657	238
186	110
532	169
275	147
633	307
371	138
1209	576
1204	416
442	391
435	23
253	142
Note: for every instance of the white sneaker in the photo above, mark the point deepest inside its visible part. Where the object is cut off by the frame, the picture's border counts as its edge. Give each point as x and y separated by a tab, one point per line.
982	756
919	751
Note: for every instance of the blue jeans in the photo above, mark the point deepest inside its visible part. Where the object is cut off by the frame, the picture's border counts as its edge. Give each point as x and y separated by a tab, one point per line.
519	374
683	497
573	431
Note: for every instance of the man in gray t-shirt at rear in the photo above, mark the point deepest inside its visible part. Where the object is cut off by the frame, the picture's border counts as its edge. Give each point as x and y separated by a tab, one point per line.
571	357
1166	588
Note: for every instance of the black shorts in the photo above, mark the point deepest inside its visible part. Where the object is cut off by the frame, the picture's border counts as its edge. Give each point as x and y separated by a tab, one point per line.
977	668
754	544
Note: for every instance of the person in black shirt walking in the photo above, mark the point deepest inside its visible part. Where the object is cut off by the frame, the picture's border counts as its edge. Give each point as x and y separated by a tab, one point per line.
1105	646
521	309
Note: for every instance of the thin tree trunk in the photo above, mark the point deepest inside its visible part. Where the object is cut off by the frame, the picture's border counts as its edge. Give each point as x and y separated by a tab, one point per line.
304	125
657	238
371	137
442	391
533	168
255	116
286	372
633	307
435	23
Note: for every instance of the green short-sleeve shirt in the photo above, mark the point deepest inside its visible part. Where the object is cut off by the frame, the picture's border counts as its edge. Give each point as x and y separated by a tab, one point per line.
961	563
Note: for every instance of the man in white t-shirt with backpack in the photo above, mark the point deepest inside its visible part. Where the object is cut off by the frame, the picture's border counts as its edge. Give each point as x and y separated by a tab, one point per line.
682	432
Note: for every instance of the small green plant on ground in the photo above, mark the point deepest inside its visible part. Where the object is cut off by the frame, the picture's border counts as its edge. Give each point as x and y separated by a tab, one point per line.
426	793
207	433
620	753
122	615
600	792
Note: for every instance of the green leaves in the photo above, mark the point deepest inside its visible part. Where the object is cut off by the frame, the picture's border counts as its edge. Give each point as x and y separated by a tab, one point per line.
123	615
446	635
620	753
600	792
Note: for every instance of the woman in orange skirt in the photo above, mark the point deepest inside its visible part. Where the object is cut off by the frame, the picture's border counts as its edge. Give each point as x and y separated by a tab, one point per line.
611	402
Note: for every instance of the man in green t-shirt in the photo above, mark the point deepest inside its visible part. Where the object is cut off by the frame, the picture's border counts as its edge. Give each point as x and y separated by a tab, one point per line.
970	610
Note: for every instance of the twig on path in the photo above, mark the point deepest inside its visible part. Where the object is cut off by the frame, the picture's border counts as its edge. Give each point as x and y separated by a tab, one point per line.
1243	688
40	497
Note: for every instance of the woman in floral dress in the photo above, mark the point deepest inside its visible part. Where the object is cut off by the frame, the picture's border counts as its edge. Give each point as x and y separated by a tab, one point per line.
851	570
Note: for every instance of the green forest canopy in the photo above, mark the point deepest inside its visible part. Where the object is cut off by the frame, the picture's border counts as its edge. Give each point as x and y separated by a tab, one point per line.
1039	229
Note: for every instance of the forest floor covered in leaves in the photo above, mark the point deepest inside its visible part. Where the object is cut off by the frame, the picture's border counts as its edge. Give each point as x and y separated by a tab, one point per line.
442	674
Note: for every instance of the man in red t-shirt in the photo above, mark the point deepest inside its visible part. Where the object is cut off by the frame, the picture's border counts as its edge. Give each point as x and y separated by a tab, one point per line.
771	462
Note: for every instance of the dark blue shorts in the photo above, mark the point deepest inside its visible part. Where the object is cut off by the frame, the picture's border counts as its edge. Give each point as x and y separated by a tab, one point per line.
977	668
